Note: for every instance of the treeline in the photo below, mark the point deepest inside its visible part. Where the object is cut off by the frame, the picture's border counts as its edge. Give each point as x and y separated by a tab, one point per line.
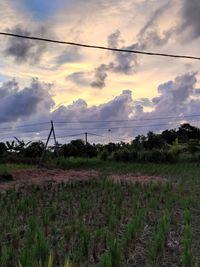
169	146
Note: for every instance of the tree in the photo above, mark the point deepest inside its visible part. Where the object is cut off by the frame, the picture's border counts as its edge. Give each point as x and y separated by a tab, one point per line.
10	146
187	132
21	145
3	149
169	136
34	150
154	141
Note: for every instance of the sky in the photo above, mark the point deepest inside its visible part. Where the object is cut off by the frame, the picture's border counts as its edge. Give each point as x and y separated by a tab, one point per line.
42	81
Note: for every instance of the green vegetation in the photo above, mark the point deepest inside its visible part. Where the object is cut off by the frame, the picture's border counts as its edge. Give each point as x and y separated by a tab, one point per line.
171	146
188	257
102	223
71	219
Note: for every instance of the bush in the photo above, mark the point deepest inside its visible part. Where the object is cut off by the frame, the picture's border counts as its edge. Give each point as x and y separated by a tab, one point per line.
133	155
122	155
177	149
144	156
104	155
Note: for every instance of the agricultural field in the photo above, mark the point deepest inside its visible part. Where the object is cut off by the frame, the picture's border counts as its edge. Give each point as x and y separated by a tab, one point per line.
103	222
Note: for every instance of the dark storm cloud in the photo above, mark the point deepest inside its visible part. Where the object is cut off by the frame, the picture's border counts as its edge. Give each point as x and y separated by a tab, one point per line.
190	18
24	50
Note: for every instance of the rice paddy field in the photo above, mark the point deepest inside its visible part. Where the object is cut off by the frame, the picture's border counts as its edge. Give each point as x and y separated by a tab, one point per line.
102	222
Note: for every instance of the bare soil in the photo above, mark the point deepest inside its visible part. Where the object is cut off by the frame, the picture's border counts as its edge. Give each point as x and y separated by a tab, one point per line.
41	176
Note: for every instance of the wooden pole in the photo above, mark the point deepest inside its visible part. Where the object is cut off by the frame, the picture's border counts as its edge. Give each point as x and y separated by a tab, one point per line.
86	135
44	150
86	143
54	137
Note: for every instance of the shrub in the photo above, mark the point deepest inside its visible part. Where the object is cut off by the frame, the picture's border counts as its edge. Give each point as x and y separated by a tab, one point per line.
144	156
104	155
133	155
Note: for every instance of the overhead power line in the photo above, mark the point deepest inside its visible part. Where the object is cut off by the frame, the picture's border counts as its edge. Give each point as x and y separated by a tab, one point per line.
25	125
128	120
12	128
123	126
99	47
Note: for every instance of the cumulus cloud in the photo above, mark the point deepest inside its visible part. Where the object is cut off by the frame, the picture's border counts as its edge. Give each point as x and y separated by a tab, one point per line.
16	104
176	97
25	50
118	108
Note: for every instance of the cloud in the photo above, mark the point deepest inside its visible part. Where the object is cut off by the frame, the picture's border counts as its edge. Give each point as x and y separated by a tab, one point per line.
177	97
70	54
24	50
114	39
127	63
100	76
16	103
118	108
190	18
152	20
123	62
150	34
178	91
80	78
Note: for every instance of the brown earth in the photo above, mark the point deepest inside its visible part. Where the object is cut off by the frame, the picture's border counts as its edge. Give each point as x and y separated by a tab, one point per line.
40	176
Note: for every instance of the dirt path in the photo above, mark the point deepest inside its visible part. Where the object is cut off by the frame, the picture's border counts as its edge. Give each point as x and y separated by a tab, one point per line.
40	176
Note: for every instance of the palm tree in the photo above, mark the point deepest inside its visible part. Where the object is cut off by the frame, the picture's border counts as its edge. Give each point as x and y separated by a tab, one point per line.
21	145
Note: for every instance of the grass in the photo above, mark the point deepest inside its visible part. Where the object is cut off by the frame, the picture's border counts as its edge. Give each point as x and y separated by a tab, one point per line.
76	220
99	222
187	257
8	168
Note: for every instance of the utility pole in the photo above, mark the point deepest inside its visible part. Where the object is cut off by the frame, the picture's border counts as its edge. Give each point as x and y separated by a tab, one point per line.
86	144
52	131
45	147
109	131
54	136
86	136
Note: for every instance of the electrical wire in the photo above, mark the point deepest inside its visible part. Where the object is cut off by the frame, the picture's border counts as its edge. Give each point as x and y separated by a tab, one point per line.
124	50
